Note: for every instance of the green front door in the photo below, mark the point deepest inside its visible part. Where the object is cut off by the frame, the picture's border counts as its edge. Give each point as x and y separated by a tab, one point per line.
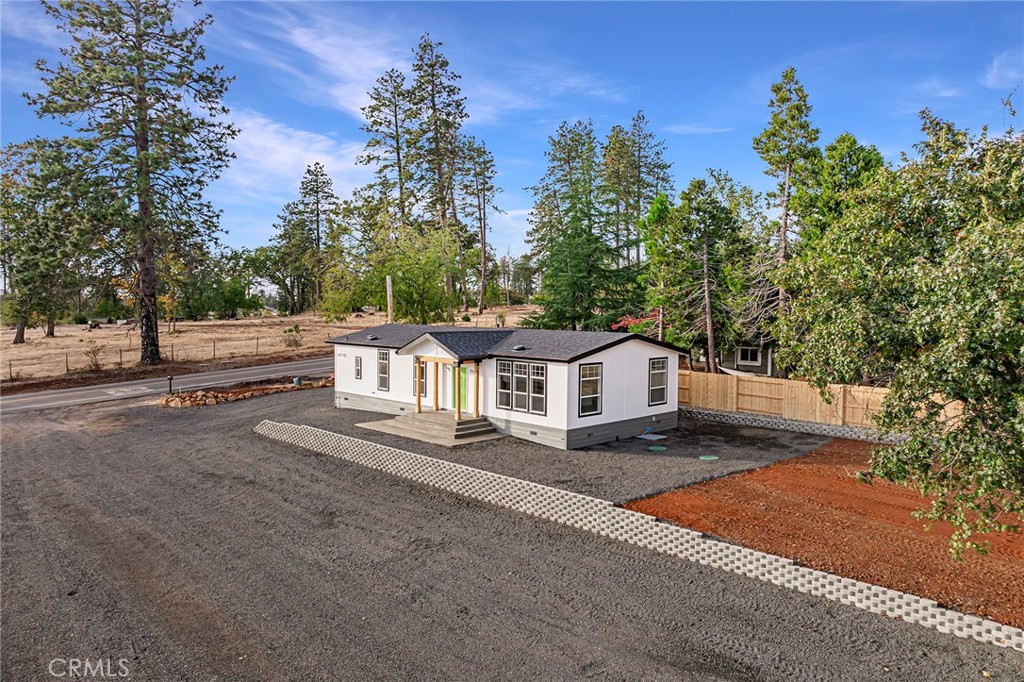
462	382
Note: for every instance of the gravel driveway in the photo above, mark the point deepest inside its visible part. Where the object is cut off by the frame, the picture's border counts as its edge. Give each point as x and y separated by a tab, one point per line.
183	542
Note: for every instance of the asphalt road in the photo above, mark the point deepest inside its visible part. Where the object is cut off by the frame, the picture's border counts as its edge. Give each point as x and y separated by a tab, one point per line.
195	550
146	387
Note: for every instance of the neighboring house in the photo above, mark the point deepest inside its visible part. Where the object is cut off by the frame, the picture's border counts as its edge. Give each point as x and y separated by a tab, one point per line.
566	389
751	359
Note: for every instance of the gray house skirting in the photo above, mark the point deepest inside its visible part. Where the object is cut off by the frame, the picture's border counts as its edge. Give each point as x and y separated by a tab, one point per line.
371	403
769	422
603	518
597	432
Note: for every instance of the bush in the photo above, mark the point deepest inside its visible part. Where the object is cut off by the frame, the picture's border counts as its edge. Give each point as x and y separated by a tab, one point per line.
79	318
465	317
293	337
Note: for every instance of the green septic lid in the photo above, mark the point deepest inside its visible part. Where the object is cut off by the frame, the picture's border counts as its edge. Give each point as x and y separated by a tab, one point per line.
709	458
657	448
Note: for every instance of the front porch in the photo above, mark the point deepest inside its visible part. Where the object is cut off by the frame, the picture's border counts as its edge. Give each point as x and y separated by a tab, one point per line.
438	427
458	379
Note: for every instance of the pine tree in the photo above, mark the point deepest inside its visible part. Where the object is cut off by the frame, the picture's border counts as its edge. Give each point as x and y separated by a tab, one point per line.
391	122
581	288
135	84
320	205
479	191
787	147
649	174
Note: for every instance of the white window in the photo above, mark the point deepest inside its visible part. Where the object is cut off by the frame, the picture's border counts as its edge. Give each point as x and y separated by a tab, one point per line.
422	378
359	367
657	384
522	386
505	384
748	356
538	381
590	389
383	370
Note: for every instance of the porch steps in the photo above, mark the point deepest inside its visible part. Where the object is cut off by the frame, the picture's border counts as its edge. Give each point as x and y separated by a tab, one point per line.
437	427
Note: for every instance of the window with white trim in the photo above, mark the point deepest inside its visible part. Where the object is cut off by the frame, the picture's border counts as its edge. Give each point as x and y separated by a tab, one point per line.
590	389
522	386
538	385
383	370
422	378
505	384
657	381
359	367
748	356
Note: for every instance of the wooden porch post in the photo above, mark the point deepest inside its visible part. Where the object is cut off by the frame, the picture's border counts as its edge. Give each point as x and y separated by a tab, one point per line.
476	389
436	363
416	386
458	391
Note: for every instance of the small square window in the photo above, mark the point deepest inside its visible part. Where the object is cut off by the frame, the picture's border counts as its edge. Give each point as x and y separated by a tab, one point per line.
748	356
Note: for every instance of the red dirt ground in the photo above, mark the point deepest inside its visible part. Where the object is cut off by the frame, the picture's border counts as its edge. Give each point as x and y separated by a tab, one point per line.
812	510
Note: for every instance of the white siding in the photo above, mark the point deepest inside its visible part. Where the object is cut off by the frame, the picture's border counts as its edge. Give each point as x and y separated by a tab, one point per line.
624	384
400	388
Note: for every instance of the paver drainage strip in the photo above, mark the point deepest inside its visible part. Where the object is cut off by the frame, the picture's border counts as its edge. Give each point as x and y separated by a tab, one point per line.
603	518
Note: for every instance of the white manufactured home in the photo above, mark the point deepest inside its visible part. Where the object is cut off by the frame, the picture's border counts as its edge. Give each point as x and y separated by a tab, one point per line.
566	389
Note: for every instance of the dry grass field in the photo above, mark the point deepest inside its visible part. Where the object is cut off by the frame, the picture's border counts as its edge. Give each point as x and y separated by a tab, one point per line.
76	349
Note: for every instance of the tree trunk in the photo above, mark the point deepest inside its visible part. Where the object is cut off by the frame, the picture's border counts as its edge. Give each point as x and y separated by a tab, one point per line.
19	333
483	260
50	331
784	233
149	330
712	361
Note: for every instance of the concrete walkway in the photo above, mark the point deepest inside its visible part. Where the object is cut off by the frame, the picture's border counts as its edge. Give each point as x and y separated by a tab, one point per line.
604	518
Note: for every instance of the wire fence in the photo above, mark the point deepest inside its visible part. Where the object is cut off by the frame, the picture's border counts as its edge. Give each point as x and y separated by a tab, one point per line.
104	356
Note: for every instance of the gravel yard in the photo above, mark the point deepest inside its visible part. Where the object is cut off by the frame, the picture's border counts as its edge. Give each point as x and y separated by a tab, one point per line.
183	542
619	472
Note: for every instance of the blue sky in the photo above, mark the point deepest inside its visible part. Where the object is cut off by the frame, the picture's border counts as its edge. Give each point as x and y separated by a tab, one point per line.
700	71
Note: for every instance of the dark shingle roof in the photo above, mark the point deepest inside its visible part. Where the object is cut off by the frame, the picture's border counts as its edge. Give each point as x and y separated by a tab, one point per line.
468	343
471	344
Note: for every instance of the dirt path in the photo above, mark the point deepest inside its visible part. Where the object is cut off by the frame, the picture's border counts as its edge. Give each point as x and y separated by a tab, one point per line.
813	510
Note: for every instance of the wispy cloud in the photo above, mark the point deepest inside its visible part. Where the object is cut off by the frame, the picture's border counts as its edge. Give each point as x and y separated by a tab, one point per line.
1006	70
317	54
935	87
271	158
695	129
27	21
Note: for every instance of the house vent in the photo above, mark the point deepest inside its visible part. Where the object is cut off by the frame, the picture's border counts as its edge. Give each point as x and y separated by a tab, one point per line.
519	347
371	337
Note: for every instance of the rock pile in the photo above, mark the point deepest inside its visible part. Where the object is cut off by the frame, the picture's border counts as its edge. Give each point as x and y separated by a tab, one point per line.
214	396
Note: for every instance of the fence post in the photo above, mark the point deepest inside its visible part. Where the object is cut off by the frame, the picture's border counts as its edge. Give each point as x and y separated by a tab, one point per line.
67	364
257	345
10	368
172	352
842	405
214	350
120	356
735	393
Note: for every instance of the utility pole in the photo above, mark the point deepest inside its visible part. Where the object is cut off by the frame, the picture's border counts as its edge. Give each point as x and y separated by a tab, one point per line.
391	299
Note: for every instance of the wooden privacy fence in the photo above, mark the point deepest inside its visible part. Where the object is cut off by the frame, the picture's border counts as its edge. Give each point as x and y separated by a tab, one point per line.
851	405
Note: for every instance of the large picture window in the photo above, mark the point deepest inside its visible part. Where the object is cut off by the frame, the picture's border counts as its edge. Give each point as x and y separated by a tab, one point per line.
522	386
657	383
359	367
383	370
590	389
